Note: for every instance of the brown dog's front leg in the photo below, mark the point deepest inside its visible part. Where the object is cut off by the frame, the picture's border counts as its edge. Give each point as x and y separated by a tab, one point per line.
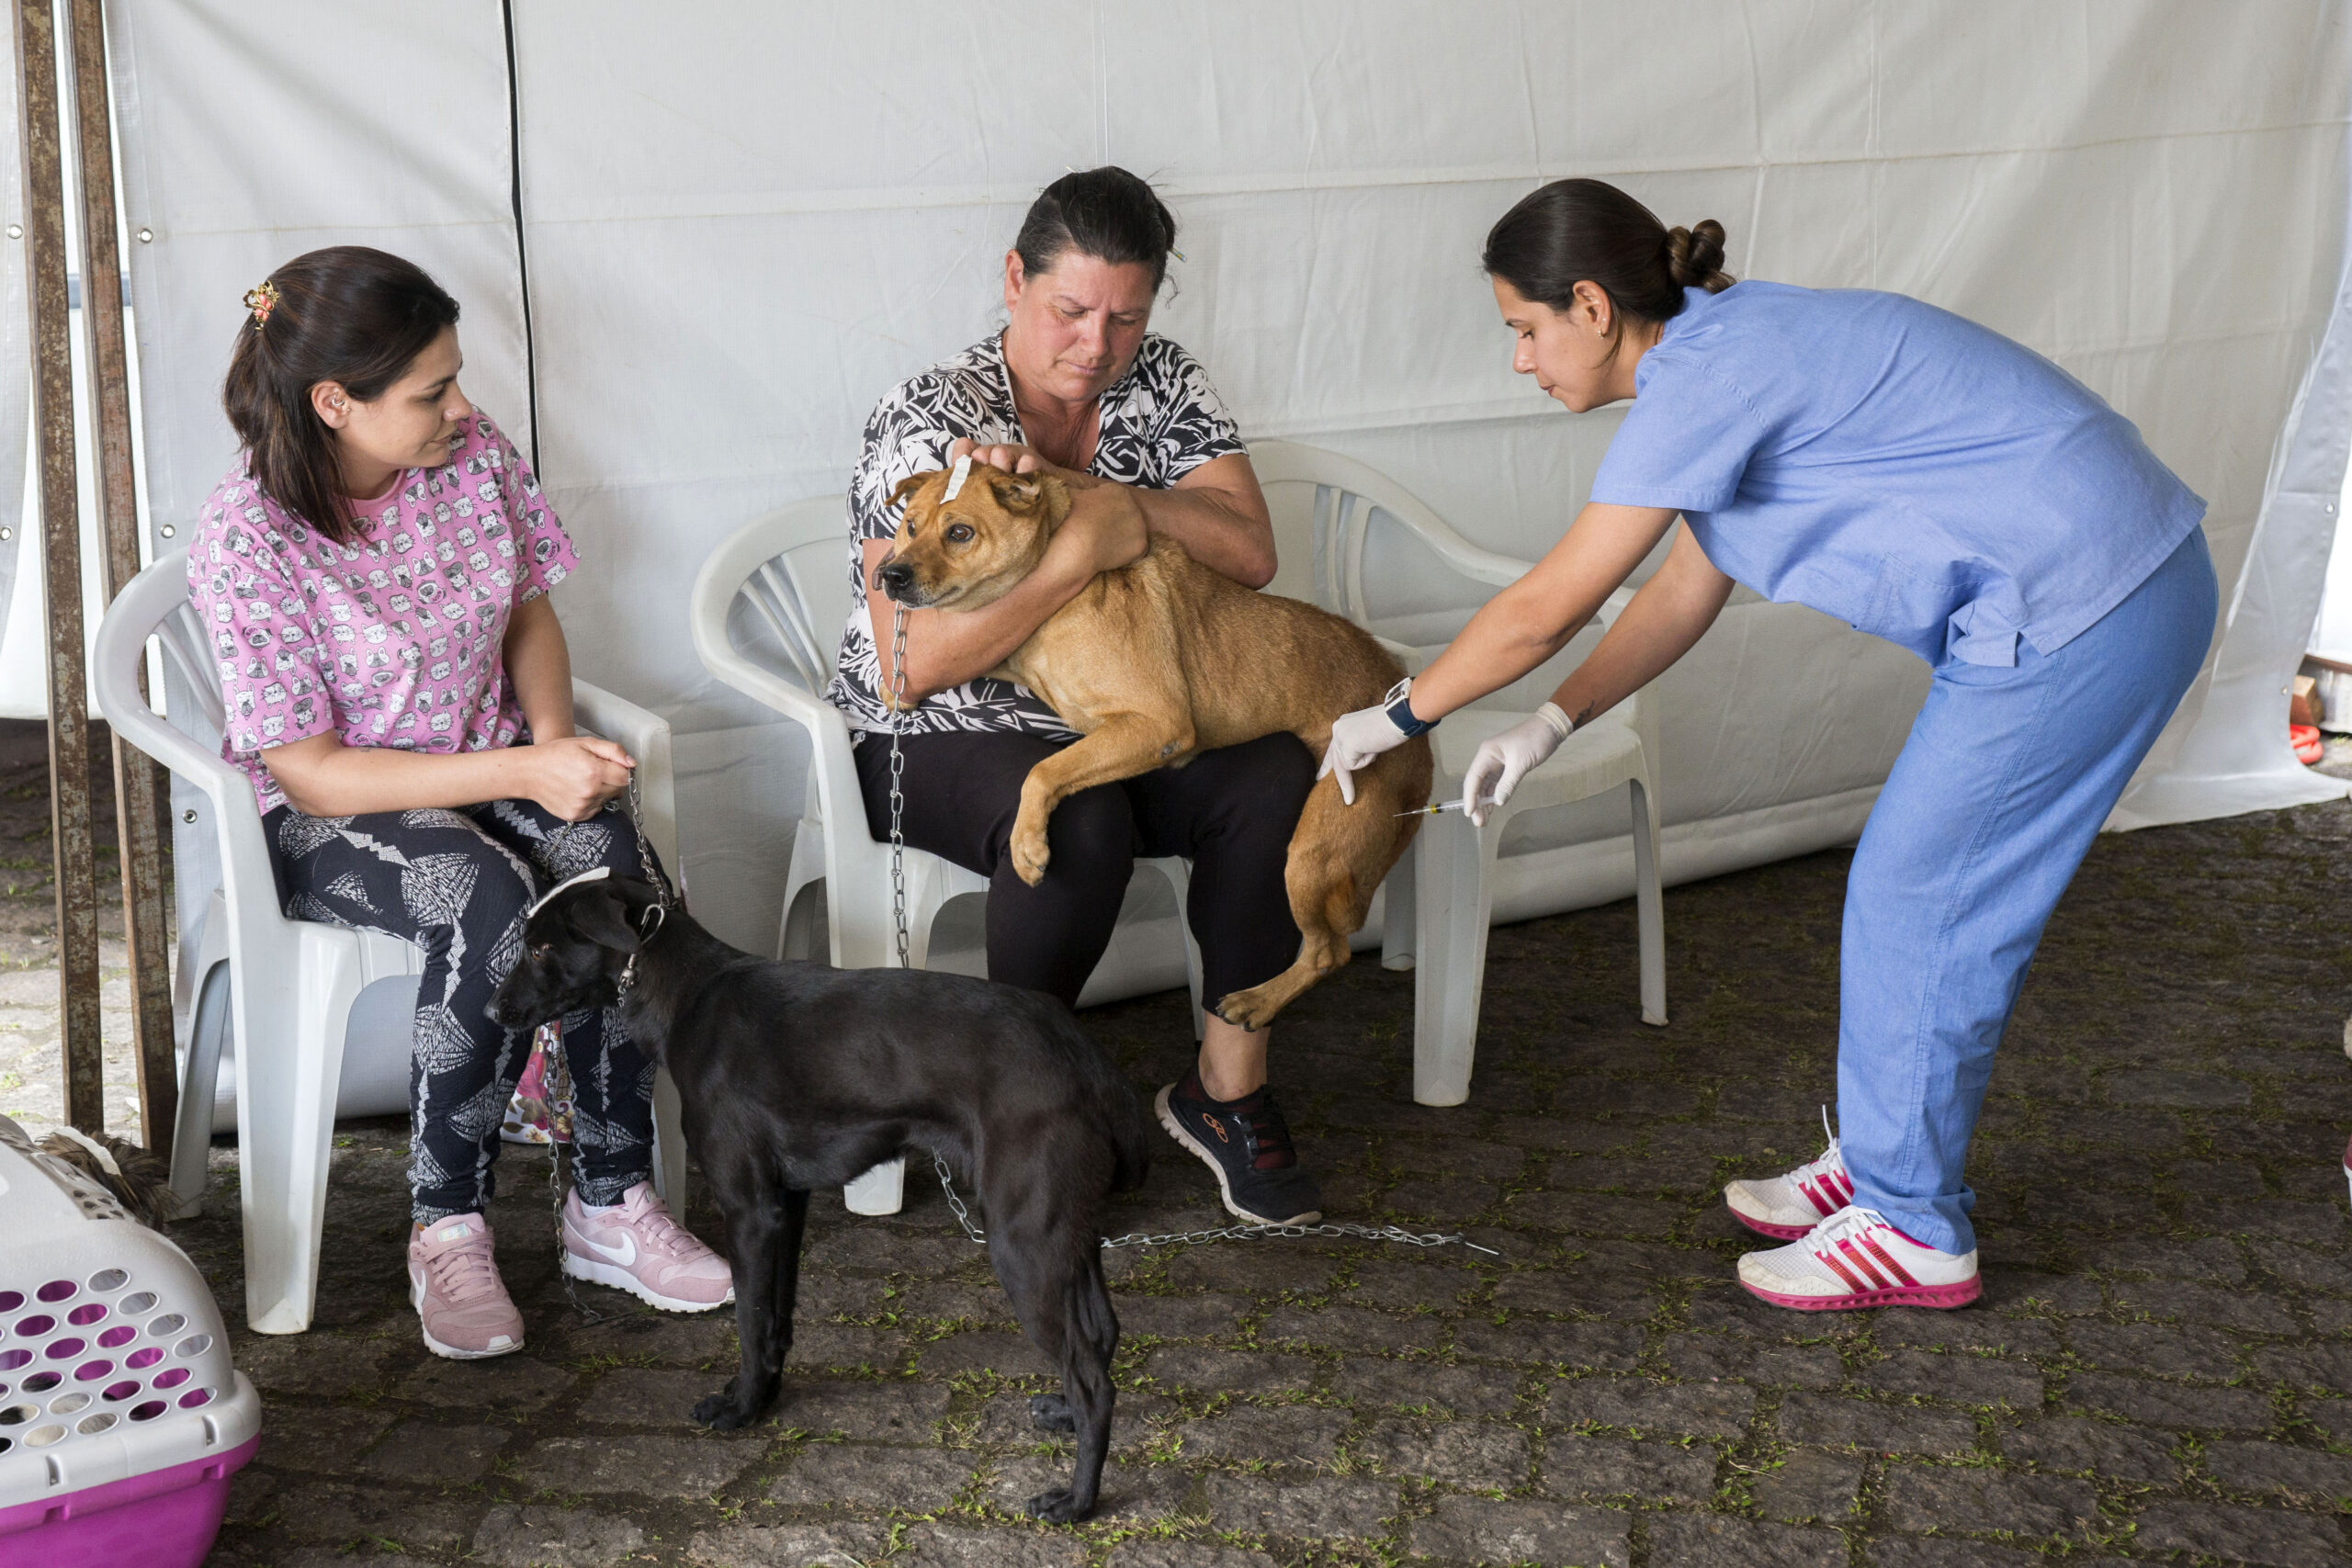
1119	748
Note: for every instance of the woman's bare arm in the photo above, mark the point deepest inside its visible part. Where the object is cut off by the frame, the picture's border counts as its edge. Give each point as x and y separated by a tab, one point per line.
1534	618
571	776
1216	511
538	666
1669	612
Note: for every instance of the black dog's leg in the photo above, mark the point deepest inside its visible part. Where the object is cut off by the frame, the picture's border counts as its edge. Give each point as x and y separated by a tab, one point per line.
756	1229
1056	1283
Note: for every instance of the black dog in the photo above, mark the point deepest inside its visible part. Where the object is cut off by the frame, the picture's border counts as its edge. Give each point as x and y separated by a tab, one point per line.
798	1076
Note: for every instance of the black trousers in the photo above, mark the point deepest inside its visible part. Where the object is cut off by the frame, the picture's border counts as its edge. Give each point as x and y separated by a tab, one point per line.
1231	812
457	882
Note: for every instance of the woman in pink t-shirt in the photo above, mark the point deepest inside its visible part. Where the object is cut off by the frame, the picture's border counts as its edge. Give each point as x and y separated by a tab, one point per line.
375	572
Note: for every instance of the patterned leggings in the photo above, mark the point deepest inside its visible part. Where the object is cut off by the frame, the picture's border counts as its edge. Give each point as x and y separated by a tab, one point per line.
457	882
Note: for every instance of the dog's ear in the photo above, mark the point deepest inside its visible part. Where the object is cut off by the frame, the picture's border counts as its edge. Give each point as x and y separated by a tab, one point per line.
1027	495
912	485
600	913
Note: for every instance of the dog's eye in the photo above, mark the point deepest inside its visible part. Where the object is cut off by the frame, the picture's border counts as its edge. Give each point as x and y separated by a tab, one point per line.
540	951
959	533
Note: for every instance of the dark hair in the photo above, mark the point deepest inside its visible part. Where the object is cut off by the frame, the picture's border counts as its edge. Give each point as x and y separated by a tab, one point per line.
1106	213
347	314
1574	231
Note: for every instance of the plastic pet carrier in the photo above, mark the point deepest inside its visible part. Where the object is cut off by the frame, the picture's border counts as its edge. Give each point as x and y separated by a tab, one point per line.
121	1418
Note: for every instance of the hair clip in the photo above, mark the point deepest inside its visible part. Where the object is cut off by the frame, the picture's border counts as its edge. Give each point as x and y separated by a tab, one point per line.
1176	253
261	301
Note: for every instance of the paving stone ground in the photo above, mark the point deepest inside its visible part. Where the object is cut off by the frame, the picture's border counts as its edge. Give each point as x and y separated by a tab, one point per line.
2161	1371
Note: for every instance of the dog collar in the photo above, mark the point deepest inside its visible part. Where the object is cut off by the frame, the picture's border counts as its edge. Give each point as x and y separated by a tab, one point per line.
593	873
659	916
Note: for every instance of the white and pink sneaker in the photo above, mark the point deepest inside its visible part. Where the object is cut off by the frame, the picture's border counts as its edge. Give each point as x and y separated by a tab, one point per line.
453	1283
635	1247
1786	1207
1854	1259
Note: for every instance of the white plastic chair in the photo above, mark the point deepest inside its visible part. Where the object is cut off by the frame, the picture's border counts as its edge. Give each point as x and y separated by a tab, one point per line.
1441	898
788	574
287	987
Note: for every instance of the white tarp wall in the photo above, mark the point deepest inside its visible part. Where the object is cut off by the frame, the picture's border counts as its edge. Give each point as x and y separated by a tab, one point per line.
741	223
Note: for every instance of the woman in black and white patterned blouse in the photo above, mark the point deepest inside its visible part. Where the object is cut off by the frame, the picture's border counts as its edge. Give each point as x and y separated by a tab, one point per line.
1076	386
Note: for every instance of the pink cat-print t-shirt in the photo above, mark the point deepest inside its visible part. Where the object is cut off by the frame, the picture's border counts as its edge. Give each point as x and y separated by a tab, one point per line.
395	639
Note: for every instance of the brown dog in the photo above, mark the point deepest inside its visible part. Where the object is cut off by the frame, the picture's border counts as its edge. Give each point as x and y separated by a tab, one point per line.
1158	660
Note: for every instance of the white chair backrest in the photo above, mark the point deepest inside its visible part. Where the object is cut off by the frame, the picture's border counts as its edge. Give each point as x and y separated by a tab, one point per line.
1323	505
800	591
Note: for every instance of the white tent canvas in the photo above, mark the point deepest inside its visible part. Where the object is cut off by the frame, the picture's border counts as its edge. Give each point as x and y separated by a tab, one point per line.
696	243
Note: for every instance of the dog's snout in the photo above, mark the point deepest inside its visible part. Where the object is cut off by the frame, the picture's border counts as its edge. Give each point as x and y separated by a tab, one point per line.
896	578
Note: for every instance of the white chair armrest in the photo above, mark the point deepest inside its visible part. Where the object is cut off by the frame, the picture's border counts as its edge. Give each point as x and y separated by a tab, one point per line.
646	736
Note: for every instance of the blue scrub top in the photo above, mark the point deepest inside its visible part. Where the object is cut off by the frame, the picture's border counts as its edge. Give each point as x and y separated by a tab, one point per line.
1912	473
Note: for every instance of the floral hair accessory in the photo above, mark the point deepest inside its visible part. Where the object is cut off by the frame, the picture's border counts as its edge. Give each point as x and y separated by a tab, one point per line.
261	301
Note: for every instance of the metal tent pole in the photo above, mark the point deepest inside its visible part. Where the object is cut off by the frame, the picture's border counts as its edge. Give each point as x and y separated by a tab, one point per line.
61	527
141	800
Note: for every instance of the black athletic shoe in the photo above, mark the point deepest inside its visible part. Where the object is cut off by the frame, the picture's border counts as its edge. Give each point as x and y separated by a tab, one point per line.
1247	1142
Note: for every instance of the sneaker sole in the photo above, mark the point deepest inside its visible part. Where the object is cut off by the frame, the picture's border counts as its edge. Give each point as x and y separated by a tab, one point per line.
1223	1190
620	1279
1940	1296
417	1301
1778	1233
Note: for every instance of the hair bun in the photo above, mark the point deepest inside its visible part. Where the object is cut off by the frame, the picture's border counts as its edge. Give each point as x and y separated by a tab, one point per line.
1694	257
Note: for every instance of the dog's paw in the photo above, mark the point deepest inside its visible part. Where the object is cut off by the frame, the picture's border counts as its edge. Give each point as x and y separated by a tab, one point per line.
1247	1010
1030	855
1051	1413
721	1412
1059	1507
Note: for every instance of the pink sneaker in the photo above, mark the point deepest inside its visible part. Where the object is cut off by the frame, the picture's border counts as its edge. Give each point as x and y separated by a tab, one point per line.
453	1283
635	1247
1786	1207
1854	1259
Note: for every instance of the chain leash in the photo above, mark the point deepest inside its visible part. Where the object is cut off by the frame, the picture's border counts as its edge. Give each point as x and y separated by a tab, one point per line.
898	770
556	1073
1225	1233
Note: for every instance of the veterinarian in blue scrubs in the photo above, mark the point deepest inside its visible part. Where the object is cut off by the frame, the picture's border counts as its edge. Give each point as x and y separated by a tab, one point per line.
1932	484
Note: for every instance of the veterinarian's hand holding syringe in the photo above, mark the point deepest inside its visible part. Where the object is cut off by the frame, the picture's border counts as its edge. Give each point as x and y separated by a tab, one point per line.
1529	621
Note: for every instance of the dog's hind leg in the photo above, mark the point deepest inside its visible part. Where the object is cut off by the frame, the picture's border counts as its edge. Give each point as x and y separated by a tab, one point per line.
1055	1284
764	1233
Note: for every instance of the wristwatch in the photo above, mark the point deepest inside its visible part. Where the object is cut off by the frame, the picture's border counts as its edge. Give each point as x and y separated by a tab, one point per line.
1399	705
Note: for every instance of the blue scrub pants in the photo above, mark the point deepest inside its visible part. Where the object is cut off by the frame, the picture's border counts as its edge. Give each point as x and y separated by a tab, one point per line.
2007	777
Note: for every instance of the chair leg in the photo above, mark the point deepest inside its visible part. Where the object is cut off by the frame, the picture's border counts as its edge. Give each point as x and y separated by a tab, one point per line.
1398	943
669	1145
1649	904
290	1065
207	1027
881	1191
1453	899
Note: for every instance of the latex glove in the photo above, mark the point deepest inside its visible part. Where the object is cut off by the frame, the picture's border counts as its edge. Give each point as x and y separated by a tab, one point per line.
1504	760
1356	739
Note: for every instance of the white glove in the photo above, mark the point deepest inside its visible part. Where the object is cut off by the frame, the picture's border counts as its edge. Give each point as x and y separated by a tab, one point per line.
1504	760
1357	738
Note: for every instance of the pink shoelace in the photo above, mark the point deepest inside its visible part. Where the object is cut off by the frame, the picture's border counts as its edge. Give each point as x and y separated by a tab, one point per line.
465	1272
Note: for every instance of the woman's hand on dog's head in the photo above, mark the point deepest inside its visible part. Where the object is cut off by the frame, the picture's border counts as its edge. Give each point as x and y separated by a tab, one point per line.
1009	455
573	776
